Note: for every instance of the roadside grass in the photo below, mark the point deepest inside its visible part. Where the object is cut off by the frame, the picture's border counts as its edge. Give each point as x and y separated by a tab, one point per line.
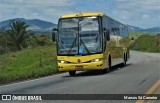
28	63
146	43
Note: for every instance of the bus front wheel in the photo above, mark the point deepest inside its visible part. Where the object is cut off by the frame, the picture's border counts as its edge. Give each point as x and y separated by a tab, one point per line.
109	65
72	73
107	70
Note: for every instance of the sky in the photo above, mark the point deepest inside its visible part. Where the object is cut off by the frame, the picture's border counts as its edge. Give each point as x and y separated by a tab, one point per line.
140	13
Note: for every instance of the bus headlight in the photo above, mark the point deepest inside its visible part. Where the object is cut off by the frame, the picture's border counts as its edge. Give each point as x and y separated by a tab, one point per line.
62	61
97	60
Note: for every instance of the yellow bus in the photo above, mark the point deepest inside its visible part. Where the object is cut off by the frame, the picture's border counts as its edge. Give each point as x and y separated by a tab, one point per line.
90	41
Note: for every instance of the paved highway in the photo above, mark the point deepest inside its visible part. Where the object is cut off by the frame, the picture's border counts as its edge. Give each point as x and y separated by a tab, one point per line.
138	77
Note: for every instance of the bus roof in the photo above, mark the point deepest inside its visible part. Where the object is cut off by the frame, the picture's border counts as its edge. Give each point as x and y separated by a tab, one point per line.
82	14
87	14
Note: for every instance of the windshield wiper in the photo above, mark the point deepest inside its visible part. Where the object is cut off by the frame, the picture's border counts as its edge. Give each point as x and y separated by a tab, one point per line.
85	46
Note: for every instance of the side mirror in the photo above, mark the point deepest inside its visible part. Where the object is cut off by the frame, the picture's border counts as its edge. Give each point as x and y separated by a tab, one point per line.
55	30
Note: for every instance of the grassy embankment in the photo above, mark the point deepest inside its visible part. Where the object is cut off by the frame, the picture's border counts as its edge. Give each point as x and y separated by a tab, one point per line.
145	42
28	63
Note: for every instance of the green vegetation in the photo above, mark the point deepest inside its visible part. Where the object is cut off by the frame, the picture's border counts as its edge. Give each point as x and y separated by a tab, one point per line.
2	42
17	38
28	63
17	34
25	55
147	43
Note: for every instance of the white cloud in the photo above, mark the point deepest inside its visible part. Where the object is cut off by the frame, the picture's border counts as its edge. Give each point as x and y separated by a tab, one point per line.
145	16
144	13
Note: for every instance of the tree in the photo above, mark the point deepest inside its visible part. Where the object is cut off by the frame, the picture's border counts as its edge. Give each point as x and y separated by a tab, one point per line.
17	34
3	41
132	38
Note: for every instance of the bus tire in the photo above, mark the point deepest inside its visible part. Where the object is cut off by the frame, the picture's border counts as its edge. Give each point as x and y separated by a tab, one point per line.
126	57
109	65
72	73
124	60
106	70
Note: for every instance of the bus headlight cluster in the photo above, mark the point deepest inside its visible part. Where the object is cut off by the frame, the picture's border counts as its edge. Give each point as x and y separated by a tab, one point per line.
62	61
97	60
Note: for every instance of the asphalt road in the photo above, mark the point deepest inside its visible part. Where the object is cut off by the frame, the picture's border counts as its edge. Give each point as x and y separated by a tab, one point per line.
140	74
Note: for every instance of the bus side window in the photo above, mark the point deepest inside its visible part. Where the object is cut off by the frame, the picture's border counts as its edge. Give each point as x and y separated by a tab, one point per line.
106	33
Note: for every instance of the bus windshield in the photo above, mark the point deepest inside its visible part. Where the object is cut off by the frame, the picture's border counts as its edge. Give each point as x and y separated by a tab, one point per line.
78	36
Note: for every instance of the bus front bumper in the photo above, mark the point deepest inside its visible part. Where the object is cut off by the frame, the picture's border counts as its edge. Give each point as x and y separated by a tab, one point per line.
81	66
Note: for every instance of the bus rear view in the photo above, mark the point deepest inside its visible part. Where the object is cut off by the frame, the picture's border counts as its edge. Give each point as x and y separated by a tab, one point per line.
80	43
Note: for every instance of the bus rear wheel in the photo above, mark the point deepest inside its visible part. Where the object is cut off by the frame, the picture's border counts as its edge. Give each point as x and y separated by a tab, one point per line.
125	60
72	73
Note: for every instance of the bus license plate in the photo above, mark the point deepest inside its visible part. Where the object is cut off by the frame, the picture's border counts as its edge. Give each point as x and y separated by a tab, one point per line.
79	67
